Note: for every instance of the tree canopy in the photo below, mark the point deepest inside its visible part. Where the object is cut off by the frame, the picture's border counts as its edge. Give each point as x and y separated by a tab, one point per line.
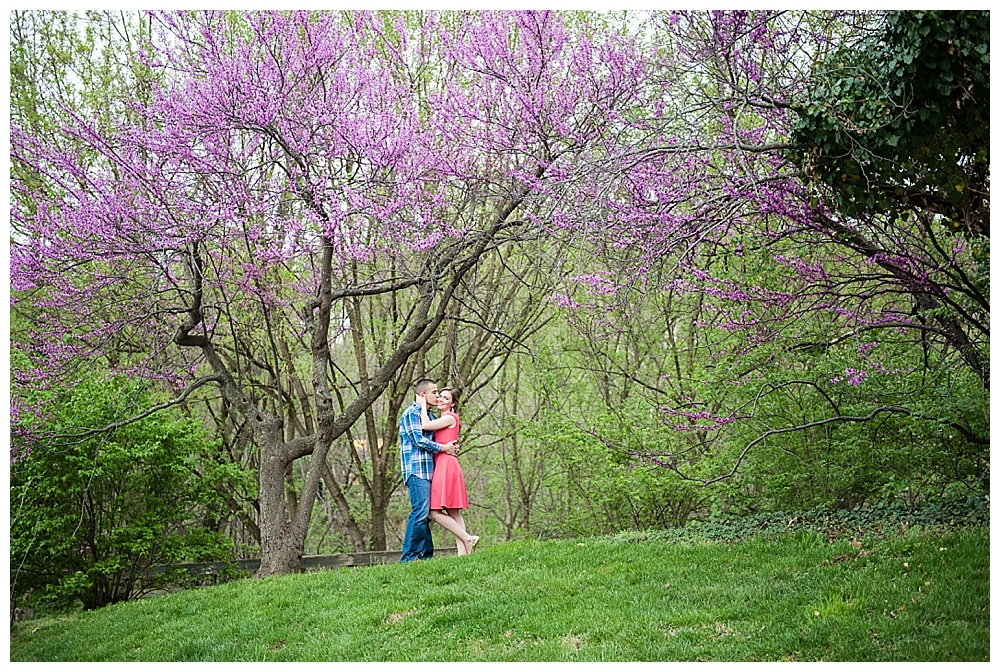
898	121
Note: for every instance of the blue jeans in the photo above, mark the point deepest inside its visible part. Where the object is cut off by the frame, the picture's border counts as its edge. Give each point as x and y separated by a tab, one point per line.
418	543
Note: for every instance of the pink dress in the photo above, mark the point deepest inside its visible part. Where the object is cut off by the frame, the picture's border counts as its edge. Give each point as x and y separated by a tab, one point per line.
448	484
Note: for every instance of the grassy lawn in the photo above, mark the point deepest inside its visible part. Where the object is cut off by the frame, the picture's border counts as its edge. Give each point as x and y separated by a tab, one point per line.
923	596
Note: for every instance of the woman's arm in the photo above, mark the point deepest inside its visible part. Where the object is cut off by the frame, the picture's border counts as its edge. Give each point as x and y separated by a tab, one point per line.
431	425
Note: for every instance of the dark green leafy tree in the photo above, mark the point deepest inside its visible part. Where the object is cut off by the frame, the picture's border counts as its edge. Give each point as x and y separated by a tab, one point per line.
901	122
91	512
894	132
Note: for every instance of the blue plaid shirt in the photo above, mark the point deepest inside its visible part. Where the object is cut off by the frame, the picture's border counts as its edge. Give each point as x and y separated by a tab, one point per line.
416	446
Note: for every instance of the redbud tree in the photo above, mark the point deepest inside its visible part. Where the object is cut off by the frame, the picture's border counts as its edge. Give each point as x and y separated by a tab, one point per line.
273	150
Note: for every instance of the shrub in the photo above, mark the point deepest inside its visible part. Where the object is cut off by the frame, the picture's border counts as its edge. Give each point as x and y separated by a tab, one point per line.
90	514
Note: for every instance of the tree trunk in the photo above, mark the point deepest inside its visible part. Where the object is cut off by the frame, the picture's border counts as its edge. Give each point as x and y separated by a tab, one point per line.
280	552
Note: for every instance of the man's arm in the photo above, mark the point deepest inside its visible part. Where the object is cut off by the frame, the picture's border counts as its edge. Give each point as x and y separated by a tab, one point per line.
411	425
432	446
426	443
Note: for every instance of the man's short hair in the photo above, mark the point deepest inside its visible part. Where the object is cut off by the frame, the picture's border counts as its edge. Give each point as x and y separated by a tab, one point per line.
423	385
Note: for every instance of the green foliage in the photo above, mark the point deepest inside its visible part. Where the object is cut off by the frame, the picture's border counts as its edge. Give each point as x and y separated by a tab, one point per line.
612	401
913	455
902	121
797	407
91	512
914	596
613	485
862	522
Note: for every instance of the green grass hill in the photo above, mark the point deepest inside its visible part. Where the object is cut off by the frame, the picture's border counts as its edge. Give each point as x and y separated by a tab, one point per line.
917	596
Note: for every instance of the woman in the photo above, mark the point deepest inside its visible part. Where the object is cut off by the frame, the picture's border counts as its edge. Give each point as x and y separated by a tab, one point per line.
448	493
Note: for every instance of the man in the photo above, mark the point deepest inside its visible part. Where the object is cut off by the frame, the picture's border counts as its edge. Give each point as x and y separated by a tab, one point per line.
416	453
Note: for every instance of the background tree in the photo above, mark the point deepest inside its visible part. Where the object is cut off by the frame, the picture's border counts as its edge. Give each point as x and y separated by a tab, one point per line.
797	305
897	129
898	121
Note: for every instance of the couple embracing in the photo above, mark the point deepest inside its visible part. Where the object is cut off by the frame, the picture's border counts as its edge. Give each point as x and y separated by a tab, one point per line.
431	473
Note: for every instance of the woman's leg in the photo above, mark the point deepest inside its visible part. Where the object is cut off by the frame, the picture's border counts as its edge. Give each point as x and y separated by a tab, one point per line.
456	515
449	523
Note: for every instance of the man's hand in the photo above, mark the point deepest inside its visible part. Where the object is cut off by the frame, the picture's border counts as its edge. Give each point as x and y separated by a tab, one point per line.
451	448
